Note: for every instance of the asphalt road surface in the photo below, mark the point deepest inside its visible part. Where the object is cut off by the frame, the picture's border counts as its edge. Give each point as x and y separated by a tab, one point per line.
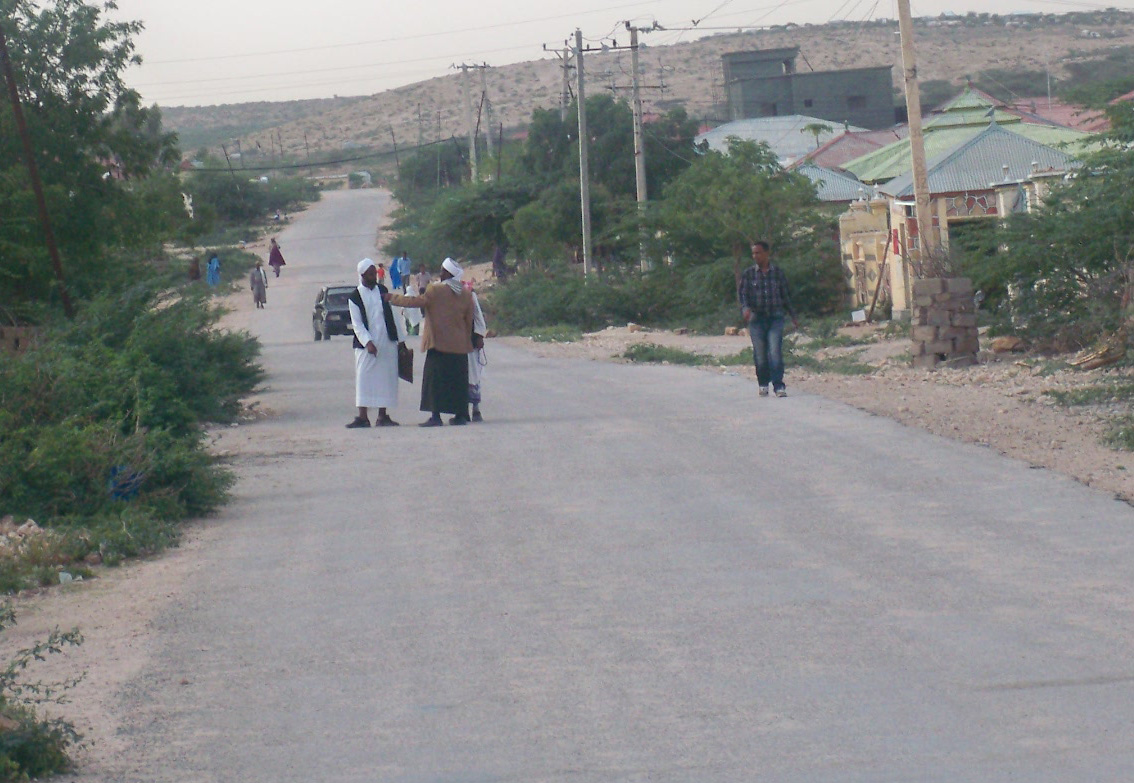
628	573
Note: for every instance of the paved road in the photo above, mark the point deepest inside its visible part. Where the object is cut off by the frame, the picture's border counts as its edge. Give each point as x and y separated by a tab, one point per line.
629	574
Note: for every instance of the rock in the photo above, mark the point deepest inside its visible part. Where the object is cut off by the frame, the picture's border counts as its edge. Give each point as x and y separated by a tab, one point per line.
732	331
1007	344
490	333
65	578
8	724
29	528
681	330
93	558
633	327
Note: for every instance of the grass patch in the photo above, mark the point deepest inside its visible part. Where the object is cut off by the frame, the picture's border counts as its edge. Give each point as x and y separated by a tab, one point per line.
1095	395
559	333
649	352
1046	367
1121	434
847	364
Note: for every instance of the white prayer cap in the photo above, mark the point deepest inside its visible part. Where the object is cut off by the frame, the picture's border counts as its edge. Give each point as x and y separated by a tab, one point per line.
453	268
363	265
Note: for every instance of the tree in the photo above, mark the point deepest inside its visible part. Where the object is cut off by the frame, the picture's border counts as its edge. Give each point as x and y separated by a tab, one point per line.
724	202
88	129
816	129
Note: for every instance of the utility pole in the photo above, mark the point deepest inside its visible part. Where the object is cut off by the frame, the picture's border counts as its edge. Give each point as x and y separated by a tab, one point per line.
33	175
639	148
584	165
420	127
565	91
474	174
307	149
926	243
488	115
397	161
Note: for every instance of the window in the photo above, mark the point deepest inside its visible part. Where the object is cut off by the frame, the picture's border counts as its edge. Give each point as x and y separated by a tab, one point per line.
807	103
768	110
856	101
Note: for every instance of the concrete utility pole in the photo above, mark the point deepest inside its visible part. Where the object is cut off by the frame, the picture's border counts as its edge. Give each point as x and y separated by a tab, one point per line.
33	175
584	165
488	115
926	242
475	175
639	147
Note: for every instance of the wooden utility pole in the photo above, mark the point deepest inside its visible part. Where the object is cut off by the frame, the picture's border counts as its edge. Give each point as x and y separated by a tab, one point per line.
639	147
926	244
397	160
307	149
565	90
584	165
474	174
33	175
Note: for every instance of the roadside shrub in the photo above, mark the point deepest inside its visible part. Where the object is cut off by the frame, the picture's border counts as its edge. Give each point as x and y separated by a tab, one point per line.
30	746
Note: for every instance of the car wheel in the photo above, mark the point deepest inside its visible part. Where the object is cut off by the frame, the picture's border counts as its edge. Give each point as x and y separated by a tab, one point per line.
326	334
318	334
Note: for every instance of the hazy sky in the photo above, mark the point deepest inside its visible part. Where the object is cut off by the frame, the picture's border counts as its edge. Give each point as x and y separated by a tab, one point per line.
231	51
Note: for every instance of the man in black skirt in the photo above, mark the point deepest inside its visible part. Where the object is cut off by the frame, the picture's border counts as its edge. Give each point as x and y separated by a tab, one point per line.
447	342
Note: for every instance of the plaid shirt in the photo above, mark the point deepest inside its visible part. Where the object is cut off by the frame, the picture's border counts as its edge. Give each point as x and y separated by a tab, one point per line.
765	293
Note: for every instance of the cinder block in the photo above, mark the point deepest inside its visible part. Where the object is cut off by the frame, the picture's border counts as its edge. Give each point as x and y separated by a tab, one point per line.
923	333
964	319
938	318
929	287
923	301
959	285
966	345
927	362
939	346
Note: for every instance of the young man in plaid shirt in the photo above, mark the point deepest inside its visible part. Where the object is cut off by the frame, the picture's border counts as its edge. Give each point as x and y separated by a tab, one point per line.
764	301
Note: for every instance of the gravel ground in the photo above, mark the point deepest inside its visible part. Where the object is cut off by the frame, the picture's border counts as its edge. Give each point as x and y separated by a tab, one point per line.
1001	404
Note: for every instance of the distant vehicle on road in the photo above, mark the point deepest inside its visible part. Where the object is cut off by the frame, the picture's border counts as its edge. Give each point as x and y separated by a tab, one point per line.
331	314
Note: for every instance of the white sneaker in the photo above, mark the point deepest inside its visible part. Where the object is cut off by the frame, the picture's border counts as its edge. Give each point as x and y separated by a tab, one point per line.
763	391
781	392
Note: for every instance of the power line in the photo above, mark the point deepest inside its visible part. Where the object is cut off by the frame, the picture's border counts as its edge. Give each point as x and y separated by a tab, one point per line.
367	156
396	39
338	68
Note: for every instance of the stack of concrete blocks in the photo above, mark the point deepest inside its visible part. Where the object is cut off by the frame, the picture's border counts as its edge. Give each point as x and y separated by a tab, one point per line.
944	326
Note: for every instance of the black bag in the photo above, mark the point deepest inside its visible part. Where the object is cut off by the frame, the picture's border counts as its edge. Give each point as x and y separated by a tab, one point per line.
405	362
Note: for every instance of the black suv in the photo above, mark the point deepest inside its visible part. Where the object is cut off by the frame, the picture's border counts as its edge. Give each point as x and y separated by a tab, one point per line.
332	313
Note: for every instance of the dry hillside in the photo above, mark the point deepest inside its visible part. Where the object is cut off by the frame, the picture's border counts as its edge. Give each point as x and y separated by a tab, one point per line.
690	73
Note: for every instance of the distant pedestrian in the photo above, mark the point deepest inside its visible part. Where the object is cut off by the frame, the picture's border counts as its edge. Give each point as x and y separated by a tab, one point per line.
212	271
258	282
404	268
764	302
422	279
447	342
376	338
395	276
382	275
275	257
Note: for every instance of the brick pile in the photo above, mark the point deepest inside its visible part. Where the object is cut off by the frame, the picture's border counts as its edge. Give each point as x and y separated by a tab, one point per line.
944	325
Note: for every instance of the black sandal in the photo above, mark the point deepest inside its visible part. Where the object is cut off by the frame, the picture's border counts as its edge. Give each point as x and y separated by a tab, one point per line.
386	421
358	423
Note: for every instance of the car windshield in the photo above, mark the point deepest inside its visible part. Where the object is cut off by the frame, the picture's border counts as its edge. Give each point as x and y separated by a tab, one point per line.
338	297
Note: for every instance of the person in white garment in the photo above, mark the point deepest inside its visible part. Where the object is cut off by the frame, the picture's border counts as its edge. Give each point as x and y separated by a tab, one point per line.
477	359
376	337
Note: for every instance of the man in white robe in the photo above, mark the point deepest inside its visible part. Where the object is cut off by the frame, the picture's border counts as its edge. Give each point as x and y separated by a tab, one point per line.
377	334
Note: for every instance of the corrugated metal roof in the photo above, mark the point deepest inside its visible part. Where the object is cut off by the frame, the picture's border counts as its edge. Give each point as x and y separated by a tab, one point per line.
968	99
834	185
784	135
980	162
894	160
979	117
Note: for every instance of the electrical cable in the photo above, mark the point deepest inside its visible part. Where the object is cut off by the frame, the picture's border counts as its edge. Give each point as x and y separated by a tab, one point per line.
314	164
403	37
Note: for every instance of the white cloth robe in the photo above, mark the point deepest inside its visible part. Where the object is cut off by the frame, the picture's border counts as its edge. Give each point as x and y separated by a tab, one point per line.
476	368
375	377
411	315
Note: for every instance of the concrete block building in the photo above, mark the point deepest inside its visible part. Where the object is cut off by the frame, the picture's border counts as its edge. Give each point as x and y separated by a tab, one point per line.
765	83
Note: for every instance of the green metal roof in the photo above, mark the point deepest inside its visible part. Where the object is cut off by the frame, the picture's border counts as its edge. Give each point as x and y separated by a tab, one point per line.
893	160
968	99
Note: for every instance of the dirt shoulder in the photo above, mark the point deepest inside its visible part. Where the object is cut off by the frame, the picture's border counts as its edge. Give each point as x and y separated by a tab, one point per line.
1004	403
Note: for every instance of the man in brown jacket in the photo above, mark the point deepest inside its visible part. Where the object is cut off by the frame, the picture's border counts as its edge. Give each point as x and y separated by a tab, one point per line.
447	340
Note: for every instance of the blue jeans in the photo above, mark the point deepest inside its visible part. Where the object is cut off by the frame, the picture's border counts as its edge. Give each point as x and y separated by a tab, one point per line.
767	333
